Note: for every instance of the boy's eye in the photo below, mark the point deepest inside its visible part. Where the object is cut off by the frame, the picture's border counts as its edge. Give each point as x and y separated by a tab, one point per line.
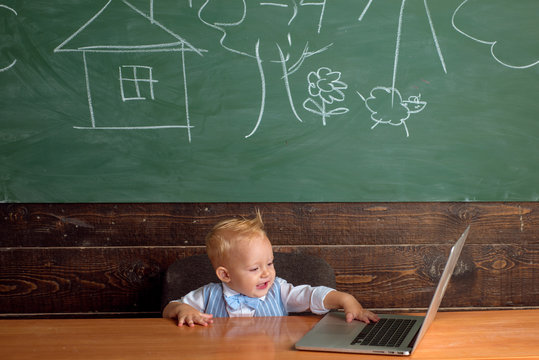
254	269
270	264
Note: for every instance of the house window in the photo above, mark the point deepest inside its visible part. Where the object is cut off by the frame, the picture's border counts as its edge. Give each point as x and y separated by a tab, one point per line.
136	82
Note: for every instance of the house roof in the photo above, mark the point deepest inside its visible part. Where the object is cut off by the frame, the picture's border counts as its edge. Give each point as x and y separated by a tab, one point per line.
119	26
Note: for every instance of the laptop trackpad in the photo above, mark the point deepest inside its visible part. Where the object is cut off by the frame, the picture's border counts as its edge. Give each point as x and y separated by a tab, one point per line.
334	330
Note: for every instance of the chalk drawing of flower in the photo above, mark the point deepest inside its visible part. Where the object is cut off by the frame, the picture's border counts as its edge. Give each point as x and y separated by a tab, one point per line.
325	86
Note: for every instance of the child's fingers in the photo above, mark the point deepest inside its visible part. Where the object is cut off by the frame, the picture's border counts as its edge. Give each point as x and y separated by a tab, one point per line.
350	317
203	320
207	321
192	319
369	316
365	316
187	320
372	316
207	317
181	320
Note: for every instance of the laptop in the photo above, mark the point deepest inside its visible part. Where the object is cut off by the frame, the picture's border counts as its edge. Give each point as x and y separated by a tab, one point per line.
392	335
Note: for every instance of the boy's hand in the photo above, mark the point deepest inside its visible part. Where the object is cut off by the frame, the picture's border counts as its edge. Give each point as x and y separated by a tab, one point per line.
361	314
352	308
187	315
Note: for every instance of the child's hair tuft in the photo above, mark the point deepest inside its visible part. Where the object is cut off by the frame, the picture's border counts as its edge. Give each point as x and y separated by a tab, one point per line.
225	233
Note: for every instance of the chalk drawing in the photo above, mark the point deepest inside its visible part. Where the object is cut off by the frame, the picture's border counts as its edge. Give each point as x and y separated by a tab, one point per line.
132	78
385	103
397	47
491	43
325	85
132	81
287	71
365	10
385	110
9	66
434	37
9	8
293	4
322	5
433	32
288	66
431	24
12	64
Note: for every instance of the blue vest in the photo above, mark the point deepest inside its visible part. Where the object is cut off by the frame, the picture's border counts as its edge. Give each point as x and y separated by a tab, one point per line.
214	302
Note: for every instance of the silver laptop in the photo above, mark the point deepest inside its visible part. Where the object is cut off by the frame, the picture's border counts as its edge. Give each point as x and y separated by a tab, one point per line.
392	335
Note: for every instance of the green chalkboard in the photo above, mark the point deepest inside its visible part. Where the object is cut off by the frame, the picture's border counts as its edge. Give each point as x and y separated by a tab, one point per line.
279	100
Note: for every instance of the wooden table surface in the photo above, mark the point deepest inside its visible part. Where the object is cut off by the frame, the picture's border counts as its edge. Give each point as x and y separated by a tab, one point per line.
509	334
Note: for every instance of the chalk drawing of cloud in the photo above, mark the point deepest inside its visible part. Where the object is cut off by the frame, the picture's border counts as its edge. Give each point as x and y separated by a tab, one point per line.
504	27
10	63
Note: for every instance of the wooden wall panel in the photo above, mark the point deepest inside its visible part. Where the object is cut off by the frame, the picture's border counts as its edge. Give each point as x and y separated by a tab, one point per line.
103	259
128	280
287	223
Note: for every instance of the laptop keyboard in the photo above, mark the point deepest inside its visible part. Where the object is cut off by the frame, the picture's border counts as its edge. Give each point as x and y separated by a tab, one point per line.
385	332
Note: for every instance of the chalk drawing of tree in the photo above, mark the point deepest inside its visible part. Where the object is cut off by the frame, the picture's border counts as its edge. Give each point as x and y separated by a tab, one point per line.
233	17
325	85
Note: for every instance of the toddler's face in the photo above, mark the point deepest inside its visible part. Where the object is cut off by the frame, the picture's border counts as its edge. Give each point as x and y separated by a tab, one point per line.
250	266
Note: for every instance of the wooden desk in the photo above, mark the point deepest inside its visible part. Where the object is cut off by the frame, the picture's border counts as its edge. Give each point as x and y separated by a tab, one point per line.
455	335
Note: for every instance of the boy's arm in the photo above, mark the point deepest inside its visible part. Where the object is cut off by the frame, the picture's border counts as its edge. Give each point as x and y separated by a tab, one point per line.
352	308
186	314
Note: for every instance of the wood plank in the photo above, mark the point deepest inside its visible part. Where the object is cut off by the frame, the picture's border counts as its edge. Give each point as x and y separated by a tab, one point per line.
57	280
128	279
109	258
186	224
402	276
501	335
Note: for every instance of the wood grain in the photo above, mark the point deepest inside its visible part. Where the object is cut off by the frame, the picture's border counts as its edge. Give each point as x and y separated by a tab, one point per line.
109	259
502	335
128	280
186	224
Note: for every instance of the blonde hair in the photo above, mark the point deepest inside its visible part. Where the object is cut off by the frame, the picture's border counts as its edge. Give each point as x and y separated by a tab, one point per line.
226	233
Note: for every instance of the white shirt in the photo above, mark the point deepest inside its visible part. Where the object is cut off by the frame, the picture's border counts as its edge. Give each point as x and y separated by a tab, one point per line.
295	299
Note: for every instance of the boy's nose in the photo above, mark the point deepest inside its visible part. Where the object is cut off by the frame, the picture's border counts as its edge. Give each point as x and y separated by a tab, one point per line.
265	272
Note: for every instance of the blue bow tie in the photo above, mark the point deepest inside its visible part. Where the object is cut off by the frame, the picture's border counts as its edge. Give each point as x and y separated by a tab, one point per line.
235	301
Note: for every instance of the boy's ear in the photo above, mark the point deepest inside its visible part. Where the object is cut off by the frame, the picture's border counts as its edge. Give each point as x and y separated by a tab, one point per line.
222	274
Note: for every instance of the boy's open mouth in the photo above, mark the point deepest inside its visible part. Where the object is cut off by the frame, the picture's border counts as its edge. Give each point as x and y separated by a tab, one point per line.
262	286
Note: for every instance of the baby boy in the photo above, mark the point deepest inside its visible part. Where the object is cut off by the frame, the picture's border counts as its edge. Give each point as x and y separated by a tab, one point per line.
242	257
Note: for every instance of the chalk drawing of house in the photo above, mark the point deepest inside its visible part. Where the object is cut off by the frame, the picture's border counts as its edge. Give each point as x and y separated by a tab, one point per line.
134	69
